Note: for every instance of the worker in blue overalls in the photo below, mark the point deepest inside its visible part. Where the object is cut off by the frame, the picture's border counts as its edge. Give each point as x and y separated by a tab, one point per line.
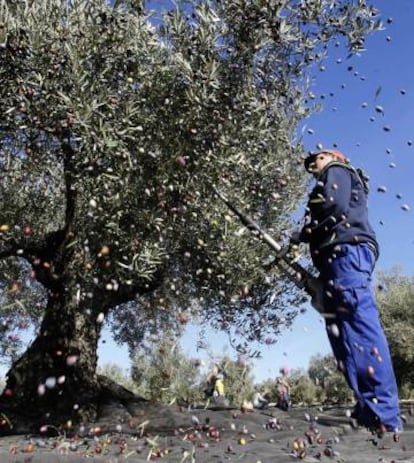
344	250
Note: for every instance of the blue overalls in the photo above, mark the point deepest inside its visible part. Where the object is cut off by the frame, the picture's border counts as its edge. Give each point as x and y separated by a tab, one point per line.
344	250
356	335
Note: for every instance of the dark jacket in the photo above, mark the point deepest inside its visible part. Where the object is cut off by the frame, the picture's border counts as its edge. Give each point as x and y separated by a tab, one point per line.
337	211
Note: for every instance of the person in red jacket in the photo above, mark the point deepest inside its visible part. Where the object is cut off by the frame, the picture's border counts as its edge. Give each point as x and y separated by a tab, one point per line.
344	249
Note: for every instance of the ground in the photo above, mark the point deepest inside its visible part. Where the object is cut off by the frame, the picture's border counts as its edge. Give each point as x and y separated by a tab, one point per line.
173	434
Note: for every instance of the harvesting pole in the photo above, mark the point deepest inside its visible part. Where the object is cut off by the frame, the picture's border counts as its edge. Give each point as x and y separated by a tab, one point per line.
290	267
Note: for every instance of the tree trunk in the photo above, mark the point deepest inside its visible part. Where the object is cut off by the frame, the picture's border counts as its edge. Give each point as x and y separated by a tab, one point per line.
55	379
54	383
54	387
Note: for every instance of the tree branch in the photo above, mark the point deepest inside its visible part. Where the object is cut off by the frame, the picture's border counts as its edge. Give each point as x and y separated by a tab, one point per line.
71	193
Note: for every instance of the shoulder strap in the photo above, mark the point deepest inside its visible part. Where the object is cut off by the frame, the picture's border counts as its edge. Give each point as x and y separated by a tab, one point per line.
364	179
361	175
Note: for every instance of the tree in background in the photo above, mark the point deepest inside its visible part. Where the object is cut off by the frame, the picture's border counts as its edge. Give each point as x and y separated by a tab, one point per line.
323	371
303	391
168	376
395	297
119	375
163	373
238	379
115	130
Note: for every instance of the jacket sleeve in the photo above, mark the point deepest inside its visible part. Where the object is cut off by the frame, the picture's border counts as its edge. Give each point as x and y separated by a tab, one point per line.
331	203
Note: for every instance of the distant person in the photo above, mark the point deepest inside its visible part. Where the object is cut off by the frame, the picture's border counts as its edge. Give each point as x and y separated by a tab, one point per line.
211	381
208	391
282	393
215	389
259	401
344	249
219	393
218	390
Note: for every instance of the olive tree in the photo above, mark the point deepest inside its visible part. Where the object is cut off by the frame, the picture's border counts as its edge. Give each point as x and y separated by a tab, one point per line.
323	371
395	296
161	371
117	127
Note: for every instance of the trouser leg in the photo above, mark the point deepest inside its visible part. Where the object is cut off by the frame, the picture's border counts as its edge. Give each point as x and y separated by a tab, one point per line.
358	341
335	336
368	364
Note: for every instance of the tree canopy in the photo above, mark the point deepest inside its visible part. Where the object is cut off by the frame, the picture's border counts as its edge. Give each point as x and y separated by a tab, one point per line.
117	126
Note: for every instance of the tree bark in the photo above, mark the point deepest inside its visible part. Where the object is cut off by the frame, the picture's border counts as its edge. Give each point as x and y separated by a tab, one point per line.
55	382
55	379
53	388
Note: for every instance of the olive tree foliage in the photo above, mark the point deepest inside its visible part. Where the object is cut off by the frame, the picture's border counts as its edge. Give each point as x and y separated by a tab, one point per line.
22	300
162	372
115	131
302	389
323	371
395	297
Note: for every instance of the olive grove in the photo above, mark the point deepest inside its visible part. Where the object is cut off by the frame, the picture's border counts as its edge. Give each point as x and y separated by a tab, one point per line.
117	125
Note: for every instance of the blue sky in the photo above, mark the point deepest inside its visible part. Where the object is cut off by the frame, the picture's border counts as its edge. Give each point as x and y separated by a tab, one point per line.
381	76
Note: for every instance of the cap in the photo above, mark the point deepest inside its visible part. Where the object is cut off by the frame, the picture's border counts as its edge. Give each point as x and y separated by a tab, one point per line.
336	154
